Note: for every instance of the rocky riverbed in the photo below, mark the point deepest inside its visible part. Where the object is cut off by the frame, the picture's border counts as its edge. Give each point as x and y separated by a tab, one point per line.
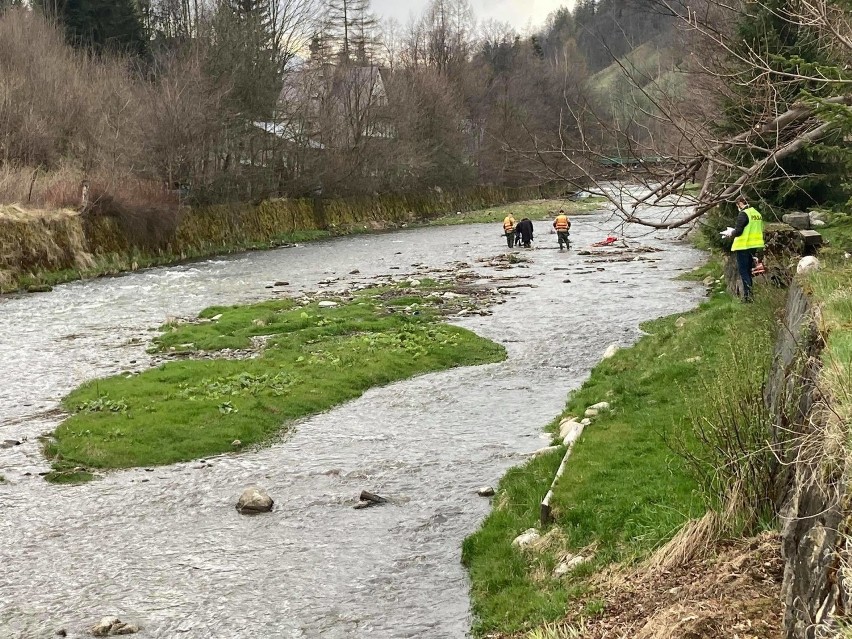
164	549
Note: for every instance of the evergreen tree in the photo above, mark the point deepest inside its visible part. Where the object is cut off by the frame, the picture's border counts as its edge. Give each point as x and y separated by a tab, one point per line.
350	29
815	174
100	25
244	54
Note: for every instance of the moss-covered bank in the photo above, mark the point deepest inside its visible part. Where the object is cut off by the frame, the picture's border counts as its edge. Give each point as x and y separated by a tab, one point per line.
306	359
47	247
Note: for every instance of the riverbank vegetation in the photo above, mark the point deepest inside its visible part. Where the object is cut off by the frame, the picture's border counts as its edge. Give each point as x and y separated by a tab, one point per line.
628	487
295	360
41	248
672	484
537	210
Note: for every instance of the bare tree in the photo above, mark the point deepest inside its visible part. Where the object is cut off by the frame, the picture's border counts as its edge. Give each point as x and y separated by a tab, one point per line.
669	141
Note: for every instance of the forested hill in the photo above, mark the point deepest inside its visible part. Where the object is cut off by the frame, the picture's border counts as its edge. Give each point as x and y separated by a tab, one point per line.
606	30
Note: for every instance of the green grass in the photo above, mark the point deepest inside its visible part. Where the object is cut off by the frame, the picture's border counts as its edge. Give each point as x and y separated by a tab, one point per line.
624	491
314	359
830	287
535	210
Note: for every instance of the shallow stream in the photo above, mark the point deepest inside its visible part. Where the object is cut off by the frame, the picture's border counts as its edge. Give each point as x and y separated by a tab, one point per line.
166	549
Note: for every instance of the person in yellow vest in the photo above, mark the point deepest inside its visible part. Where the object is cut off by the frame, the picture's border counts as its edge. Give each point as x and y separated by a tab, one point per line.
748	239
562	224
509	230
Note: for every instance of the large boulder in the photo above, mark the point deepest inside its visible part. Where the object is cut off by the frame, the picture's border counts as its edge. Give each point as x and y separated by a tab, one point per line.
807	265
254	500
798	220
817	216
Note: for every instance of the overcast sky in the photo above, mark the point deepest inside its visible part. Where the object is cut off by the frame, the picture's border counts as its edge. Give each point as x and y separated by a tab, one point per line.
518	13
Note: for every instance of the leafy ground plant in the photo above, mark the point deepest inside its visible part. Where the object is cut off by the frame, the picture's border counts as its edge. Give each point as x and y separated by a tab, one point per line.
313	359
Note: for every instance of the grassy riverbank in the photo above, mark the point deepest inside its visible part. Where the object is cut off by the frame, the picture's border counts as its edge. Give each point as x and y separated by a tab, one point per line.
536	210
297	361
832	287
624	492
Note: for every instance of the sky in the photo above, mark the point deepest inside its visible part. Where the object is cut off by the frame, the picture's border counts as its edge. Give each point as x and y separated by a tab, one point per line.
517	13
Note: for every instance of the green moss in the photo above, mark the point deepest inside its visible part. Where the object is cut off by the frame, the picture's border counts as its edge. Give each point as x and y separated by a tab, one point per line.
314	359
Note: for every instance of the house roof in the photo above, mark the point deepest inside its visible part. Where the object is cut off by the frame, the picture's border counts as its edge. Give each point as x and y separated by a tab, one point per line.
307	83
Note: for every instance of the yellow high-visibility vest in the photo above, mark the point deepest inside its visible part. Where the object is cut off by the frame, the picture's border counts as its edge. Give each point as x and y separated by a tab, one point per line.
752	236
509	224
562	223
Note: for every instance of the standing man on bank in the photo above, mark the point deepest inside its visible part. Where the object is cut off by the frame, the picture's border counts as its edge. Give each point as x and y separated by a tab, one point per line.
748	239
509	230
562	224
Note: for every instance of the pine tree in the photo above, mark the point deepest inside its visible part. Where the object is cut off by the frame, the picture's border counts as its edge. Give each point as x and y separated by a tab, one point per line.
244	53
99	25
815	174
350	29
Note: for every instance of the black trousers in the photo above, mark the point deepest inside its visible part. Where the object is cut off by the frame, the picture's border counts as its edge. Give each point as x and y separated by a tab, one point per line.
745	260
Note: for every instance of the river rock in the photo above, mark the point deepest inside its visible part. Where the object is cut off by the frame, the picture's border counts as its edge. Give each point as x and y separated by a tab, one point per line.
817	224
413	283
281	284
797	220
526	538
485	491
568	564
585	421
327	304
680	322
600	406
566	425
709	280
817	216
112	627
449	295
807	264
573	434
611	350
591	412
254	500
10	443
236	443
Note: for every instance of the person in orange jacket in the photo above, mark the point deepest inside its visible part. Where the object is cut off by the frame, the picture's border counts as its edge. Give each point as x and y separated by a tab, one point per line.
509	230
562	224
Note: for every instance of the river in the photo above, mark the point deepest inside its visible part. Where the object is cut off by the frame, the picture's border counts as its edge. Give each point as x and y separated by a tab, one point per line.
166	549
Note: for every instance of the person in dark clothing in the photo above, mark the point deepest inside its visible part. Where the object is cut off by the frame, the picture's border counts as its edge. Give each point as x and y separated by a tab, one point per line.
525	229
748	239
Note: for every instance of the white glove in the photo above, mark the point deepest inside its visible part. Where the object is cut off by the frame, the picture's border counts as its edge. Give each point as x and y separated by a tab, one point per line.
728	232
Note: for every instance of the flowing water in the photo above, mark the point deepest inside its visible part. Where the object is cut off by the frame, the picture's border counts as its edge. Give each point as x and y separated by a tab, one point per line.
165	548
